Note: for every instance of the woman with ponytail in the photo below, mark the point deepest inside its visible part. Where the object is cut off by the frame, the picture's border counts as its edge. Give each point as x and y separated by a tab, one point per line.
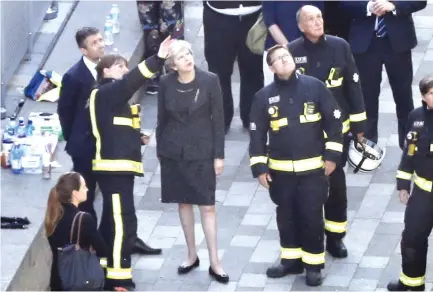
69	191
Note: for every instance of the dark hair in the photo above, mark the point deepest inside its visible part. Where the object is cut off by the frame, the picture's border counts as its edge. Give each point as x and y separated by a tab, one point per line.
106	62
272	50
60	193
83	33
426	84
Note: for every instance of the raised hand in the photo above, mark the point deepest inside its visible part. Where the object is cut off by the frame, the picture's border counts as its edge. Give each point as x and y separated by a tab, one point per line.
163	48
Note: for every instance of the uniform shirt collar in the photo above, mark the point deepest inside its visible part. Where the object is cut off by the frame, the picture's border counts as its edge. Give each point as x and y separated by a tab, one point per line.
91	66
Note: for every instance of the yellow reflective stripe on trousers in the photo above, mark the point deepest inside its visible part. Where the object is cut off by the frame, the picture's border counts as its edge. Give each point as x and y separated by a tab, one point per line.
258	159
118	231
334	146
346	128
336	227
412	282
291	253
103	262
94	124
422	183
310	118
117	165
358	117
144	70
403	175
296	165
119	274
121	121
313	259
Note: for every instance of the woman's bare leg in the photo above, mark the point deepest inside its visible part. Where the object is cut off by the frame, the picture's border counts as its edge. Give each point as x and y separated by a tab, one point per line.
186	215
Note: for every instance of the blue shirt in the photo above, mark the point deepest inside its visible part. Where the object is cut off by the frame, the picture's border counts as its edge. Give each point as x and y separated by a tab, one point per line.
283	14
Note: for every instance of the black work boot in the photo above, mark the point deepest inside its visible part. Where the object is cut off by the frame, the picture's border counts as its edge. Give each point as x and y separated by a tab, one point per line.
399	286
336	248
313	278
282	270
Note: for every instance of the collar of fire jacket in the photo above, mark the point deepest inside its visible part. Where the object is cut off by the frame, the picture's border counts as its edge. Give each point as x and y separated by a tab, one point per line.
310	45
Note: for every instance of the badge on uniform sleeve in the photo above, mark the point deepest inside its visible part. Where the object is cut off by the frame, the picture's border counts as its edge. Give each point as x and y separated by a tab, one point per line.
310	108
355	77
253	126
337	114
274	99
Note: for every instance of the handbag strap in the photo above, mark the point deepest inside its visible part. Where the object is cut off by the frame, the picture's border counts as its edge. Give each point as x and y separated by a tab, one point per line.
71	236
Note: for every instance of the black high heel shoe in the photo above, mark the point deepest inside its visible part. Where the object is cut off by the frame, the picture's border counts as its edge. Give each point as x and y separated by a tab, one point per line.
186	269
223	278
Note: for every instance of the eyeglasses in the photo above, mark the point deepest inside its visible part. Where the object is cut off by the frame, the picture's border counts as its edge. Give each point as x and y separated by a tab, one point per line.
280	58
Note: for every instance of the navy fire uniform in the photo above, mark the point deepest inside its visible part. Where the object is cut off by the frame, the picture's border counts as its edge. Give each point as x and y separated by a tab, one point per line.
294	113
116	128
330	60
417	164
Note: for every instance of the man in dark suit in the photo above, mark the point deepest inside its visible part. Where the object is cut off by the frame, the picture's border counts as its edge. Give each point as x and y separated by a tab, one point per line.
77	84
336	20
381	33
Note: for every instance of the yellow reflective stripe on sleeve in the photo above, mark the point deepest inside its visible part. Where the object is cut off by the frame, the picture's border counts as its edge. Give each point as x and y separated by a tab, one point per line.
412	282
291	253
403	175
119	274
310	118
118	231
358	117
121	121
136	123
313	259
103	262
117	165
431	147
296	165
94	124
258	159
346	128
334	146
276	125
336	227
135	109
422	183
144	70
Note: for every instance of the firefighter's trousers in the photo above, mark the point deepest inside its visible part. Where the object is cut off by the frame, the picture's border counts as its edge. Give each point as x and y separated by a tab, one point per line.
118	226
300	200
418	224
336	204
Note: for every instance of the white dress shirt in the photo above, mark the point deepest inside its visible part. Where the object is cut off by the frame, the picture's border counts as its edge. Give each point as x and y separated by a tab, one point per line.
369	6
91	66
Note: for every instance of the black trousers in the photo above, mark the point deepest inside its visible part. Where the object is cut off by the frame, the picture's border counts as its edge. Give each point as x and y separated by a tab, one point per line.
400	73
336	204
118	226
418	224
84	167
224	42
300	200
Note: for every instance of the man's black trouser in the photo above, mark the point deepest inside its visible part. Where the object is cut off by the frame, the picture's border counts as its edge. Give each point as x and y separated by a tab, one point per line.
118	226
336	204
84	167
224	42
418	223
300	200
399	69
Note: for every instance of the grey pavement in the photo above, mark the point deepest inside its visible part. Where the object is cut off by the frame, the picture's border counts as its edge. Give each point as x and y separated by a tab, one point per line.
247	234
248	240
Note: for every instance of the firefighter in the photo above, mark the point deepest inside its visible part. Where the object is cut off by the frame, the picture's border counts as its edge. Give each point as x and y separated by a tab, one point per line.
293	111
115	126
417	164
329	59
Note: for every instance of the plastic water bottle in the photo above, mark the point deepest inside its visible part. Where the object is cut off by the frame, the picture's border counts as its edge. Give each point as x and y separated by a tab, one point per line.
30	128
16	155
108	32
21	130
115	14
12	127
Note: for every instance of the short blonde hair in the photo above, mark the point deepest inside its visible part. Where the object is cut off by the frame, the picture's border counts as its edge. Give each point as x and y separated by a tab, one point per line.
174	49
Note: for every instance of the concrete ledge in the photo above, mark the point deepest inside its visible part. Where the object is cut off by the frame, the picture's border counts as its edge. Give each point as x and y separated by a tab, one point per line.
26	256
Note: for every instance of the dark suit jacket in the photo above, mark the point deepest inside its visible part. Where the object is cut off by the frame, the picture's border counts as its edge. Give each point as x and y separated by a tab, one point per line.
77	84
202	135
400	27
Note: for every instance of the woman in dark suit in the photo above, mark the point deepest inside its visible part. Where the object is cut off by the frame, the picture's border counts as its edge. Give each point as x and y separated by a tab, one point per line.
69	191
190	146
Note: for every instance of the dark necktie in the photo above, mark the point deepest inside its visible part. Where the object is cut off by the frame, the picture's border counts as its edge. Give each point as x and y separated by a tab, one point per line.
381	27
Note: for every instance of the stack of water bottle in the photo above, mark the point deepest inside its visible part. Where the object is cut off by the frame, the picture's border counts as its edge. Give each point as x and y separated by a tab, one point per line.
111	27
24	148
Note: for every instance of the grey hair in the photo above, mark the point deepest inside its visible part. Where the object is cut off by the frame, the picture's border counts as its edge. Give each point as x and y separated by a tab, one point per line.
174	49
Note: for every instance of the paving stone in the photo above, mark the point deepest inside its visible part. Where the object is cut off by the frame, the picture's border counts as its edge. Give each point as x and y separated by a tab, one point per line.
367	273
277	287
149	263
256	220
245	240
363	285
373	206
216	286
266	251
373	262
393	217
252	280
390	228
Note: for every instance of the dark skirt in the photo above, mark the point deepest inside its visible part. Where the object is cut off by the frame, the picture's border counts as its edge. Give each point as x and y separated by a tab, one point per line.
188	182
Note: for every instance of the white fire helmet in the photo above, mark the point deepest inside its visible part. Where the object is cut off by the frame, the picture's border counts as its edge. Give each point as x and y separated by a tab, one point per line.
365	155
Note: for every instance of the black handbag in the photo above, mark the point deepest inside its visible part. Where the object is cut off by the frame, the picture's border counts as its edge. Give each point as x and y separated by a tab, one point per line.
79	269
